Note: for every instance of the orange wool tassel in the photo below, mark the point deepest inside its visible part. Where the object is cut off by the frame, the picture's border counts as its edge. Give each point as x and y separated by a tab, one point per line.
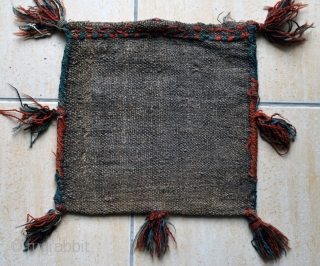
283	14
41	20
268	241
277	131
38	229
154	234
37	118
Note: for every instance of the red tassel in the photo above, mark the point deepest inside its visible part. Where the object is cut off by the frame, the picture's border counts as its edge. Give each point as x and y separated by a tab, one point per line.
42	20
276	131
38	229
35	118
284	12
154	234
268	241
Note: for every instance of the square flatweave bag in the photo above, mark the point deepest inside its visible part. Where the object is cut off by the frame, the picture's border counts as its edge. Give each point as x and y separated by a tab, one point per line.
158	117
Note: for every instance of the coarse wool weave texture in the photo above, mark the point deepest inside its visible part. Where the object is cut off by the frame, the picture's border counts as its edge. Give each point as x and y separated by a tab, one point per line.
157	120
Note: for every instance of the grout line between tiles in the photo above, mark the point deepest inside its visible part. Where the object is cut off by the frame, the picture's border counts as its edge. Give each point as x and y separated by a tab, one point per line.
135	9
262	104
8	99
288	104
131	262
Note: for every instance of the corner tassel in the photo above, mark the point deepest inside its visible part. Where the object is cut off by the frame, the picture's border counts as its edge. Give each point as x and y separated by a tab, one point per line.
284	12
268	241
276	131
38	229
154	234
36	119
42	20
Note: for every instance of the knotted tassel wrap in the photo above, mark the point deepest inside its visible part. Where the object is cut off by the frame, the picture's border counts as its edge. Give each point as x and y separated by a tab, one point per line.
154	234
275	130
38	229
34	118
283	13
42	20
268	241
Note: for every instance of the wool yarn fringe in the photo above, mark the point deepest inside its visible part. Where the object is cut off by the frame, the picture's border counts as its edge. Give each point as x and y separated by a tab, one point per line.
38	229
275	130
42	20
36	119
268	241
283	14
154	234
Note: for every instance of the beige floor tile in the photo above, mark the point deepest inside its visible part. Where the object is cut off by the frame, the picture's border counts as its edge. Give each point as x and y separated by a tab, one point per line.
288	196
289	186
27	186
285	74
34	66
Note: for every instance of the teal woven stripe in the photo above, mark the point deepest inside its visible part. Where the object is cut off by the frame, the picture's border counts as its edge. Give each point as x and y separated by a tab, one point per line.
252	51
58	196
64	70
62	88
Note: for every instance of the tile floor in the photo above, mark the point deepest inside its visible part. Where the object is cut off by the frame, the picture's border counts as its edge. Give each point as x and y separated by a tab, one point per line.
289	186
